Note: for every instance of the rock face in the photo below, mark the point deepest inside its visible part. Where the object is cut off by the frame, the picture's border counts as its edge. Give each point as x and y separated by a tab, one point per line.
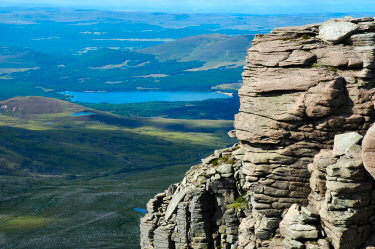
302	86
204	210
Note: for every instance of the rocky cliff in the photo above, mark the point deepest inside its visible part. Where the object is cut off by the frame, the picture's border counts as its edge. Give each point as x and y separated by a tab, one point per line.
290	182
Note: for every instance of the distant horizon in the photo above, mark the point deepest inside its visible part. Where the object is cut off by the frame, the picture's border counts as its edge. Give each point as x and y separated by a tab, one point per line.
248	7
87	8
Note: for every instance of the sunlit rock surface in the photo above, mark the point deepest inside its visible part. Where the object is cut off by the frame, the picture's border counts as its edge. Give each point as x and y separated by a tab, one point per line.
302	87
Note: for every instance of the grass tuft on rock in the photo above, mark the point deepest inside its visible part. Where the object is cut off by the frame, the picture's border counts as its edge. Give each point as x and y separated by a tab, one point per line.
239	203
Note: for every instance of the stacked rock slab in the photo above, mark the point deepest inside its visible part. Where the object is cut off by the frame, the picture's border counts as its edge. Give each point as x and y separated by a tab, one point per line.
302	86
204	210
348	209
341	201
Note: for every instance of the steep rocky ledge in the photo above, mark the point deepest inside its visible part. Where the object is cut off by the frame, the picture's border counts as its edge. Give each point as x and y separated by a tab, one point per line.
289	182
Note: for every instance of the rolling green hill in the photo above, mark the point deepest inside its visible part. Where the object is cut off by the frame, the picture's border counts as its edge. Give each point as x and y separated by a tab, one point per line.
32	105
215	50
42	136
74	181
11	57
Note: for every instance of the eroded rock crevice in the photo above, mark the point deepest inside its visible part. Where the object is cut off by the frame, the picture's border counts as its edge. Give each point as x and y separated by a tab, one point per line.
289	182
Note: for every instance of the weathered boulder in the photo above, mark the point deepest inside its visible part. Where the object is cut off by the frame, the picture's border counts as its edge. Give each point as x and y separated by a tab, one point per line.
294	227
336	30
368	151
343	142
224	169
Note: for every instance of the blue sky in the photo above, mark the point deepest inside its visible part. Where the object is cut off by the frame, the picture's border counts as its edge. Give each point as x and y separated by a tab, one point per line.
247	6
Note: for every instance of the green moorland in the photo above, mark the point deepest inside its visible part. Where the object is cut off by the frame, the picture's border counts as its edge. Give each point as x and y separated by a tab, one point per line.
73	181
214	50
111	70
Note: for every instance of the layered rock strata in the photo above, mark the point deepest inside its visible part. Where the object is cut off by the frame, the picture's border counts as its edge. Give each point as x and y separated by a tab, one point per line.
204	210
302	86
341	206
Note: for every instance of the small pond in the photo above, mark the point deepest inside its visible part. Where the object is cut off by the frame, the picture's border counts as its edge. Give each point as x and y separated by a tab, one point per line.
82	113
140	210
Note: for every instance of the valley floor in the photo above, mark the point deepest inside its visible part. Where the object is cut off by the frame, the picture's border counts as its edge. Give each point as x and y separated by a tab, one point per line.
89	212
68	180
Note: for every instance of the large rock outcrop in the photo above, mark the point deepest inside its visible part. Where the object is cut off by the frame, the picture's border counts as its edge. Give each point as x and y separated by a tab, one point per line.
302	86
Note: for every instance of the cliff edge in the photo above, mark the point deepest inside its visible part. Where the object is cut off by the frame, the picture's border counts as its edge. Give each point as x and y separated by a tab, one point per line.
298	177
